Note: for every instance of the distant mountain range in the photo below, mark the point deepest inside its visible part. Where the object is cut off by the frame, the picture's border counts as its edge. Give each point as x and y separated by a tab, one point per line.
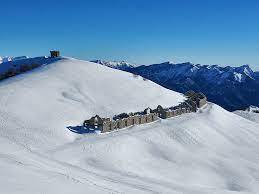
231	87
12	66
122	65
8	58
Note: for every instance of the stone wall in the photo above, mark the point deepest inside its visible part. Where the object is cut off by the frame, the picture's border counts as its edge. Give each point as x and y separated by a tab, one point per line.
111	125
147	116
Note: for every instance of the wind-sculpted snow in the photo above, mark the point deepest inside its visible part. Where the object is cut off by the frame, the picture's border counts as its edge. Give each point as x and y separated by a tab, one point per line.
212	151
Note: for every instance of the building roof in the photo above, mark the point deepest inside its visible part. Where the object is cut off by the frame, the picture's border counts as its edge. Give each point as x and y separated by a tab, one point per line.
121	116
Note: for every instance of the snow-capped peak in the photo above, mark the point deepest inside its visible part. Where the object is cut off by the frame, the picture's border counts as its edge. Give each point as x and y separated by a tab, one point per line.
238	76
240	73
254	109
122	65
240	84
8	58
5	59
248	71
212	73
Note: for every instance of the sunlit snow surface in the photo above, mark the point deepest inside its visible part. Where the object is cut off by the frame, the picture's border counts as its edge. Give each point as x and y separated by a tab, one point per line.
212	151
251	114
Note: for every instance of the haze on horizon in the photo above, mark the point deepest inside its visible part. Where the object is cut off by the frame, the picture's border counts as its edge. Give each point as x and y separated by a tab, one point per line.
142	32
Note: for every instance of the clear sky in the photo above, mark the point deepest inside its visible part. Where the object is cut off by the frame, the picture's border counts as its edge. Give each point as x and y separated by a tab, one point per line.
138	31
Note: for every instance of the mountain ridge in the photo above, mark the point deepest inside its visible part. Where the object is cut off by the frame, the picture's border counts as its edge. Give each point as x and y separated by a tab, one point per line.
121	65
231	87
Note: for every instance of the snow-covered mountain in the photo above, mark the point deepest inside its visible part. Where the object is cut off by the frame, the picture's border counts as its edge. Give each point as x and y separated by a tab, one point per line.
22	64
212	151
121	65
9	59
251	113
5	59
210	73
231	87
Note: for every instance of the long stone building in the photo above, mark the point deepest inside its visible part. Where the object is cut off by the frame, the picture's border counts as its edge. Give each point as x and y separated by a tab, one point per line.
123	120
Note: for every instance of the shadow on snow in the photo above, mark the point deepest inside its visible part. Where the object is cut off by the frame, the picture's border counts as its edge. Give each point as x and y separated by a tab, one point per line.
82	129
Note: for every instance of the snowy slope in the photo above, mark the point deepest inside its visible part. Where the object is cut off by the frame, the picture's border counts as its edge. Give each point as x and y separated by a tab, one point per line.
65	93
5	59
252	113
213	151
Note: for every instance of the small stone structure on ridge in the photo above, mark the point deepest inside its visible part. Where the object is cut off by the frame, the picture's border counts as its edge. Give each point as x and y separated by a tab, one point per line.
54	53
199	98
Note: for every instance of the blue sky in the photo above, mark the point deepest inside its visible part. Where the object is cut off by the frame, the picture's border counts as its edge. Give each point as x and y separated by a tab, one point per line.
139	31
